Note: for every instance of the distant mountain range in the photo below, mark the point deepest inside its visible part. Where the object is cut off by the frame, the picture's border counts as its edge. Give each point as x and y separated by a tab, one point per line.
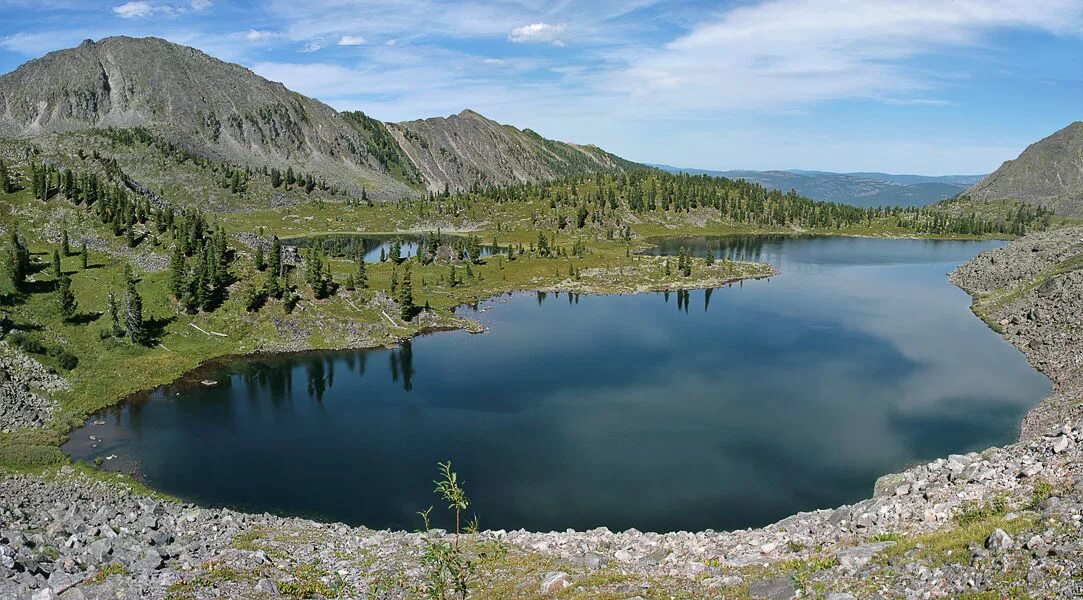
859	189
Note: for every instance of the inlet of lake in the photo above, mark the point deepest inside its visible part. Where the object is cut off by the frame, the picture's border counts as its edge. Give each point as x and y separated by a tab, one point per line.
712	409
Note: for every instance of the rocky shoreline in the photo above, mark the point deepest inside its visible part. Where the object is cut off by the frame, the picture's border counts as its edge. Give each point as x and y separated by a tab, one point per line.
1000	523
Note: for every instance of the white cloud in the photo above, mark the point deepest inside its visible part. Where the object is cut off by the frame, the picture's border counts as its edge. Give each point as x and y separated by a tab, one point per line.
538	33
351	40
793	52
254	35
131	10
312	46
201	4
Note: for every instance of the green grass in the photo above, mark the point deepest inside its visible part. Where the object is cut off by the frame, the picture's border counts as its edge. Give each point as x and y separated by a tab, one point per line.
111	369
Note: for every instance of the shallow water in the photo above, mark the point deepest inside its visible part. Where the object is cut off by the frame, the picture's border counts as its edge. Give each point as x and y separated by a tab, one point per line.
713	409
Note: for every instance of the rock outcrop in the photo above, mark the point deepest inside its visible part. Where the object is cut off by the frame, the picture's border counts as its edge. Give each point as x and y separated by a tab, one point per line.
1049	173
467	149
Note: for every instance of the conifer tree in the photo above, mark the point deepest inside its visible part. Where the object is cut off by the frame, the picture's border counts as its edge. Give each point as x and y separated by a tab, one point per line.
406	296
259	260
133	315
56	264
5	178
275	262
65	247
114	315
84	256
65	298
362	276
178	272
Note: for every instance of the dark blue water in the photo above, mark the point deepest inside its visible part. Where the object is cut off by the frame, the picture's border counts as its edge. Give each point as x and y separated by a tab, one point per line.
712	409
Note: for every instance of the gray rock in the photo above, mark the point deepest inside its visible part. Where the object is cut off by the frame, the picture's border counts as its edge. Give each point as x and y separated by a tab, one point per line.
852	559
553	581
999	541
776	588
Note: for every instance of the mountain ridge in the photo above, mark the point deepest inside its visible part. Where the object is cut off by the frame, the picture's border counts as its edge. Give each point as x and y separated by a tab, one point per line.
228	113
860	189
1048	172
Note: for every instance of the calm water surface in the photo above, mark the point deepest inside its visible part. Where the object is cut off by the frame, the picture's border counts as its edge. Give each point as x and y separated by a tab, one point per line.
716	409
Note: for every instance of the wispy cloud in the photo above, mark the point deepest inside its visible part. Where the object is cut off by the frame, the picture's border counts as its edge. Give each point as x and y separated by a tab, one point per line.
792	52
256	35
538	33
132	10
351	40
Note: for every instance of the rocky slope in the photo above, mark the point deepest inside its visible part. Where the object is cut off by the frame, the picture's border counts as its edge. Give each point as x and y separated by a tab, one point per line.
227	113
216	109
467	149
1049	172
1002	523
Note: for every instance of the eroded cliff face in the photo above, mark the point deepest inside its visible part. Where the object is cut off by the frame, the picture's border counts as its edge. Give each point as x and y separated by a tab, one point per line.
1049	173
467	149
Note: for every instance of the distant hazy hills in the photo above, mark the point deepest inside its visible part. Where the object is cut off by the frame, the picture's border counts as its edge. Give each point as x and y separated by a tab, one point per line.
860	189
228	113
1049	172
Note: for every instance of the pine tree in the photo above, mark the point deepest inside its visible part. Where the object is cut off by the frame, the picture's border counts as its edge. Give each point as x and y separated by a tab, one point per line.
362	276
133	315
319	274
65	298
275	263
406	296
394	281
114	315
5	178
261	262
178	272
65	248
84	255
56	264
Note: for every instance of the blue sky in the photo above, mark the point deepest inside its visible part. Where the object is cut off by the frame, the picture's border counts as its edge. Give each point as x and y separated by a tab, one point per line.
921	86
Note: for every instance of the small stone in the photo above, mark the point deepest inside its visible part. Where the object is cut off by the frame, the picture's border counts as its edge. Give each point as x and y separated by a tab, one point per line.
776	588
852	559
44	594
999	541
1060	444
553	582
266	586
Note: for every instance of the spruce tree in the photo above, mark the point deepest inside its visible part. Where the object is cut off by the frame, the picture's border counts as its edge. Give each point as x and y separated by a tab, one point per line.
259	260
84	255
114	315
406	296
5	178
275	263
178	272
362	277
65	247
133	315
65	298
56	264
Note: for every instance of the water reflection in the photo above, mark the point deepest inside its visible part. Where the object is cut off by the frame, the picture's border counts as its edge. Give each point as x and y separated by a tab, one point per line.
858	359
